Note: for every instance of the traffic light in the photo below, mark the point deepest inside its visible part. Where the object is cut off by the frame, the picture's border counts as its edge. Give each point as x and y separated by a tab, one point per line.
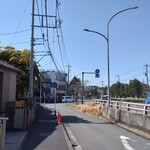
96	75
97	71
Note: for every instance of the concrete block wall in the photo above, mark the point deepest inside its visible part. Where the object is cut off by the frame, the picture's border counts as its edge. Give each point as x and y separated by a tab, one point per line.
131	118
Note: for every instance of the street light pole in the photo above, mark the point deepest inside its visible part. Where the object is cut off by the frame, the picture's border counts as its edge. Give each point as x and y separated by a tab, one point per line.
108	64
107	39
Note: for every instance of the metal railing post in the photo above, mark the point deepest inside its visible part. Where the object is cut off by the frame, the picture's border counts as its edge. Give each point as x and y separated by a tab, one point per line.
145	110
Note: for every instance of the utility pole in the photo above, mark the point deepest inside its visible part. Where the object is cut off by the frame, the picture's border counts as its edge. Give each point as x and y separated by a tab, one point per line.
84	84
102	83
102	93
44	23
82	88
118	76
40	87
31	54
68	78
146	74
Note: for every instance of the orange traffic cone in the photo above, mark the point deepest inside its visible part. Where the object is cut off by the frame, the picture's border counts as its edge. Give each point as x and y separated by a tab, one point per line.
59	119
57	116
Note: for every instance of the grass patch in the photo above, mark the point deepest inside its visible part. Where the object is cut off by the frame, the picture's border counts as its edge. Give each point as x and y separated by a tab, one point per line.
92	109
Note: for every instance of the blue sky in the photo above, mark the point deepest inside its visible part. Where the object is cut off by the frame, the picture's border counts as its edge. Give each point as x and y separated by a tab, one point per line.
129	36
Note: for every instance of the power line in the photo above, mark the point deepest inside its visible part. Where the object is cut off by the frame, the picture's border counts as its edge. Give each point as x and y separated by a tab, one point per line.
60	49
61	32
47	35
40	21
19	22
131	71
44	15
130	78
46	64
15	32
19	43
78	74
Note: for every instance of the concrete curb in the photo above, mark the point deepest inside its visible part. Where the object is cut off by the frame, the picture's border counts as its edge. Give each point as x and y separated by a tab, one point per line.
70	146
72	140
67	138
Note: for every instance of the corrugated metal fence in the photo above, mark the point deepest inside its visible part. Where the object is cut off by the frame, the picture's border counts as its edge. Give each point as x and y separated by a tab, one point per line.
23	117
2	132
20	114
20	118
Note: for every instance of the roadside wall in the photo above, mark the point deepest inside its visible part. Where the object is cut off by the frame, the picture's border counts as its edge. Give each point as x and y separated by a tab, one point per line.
134	119
8	85
9	88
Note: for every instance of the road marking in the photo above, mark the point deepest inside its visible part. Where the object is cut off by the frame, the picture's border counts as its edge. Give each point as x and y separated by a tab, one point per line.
125	143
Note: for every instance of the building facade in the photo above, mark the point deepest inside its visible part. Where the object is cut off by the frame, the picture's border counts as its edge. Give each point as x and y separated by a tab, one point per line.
8	75
53	83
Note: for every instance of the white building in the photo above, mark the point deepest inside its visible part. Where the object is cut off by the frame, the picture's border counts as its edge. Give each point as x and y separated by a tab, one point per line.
52	80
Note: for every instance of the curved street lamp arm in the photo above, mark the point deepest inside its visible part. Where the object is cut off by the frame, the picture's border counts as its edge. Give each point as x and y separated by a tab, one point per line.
107	39
96	33
107	36
116	15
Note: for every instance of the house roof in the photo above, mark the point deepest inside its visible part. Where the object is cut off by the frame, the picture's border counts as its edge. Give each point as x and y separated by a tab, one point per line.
8	66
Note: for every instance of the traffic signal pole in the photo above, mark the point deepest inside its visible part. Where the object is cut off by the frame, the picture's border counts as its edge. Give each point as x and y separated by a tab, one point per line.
96	75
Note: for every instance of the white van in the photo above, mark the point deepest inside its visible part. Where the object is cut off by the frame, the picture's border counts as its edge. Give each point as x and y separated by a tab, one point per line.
67	99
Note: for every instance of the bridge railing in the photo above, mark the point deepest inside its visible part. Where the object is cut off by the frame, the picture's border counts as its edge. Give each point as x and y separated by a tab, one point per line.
128	106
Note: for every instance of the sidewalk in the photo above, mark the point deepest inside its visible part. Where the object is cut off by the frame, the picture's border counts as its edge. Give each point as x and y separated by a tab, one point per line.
14	139
45	134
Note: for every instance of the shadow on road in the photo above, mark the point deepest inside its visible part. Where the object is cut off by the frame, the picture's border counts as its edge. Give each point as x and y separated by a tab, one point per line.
75	119
45	124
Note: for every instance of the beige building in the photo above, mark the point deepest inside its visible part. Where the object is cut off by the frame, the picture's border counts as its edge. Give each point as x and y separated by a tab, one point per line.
8	74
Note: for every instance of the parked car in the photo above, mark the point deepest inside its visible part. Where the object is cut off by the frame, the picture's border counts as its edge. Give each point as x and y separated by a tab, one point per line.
67	99
105	97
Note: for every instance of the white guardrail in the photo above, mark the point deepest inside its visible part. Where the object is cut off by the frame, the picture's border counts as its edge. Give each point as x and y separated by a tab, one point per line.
128	106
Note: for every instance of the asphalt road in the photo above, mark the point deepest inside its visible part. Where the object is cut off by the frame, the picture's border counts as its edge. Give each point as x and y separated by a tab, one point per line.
45	134
97	134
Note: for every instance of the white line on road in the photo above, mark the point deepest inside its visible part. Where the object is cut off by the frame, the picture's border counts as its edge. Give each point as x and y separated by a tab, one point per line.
125	143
